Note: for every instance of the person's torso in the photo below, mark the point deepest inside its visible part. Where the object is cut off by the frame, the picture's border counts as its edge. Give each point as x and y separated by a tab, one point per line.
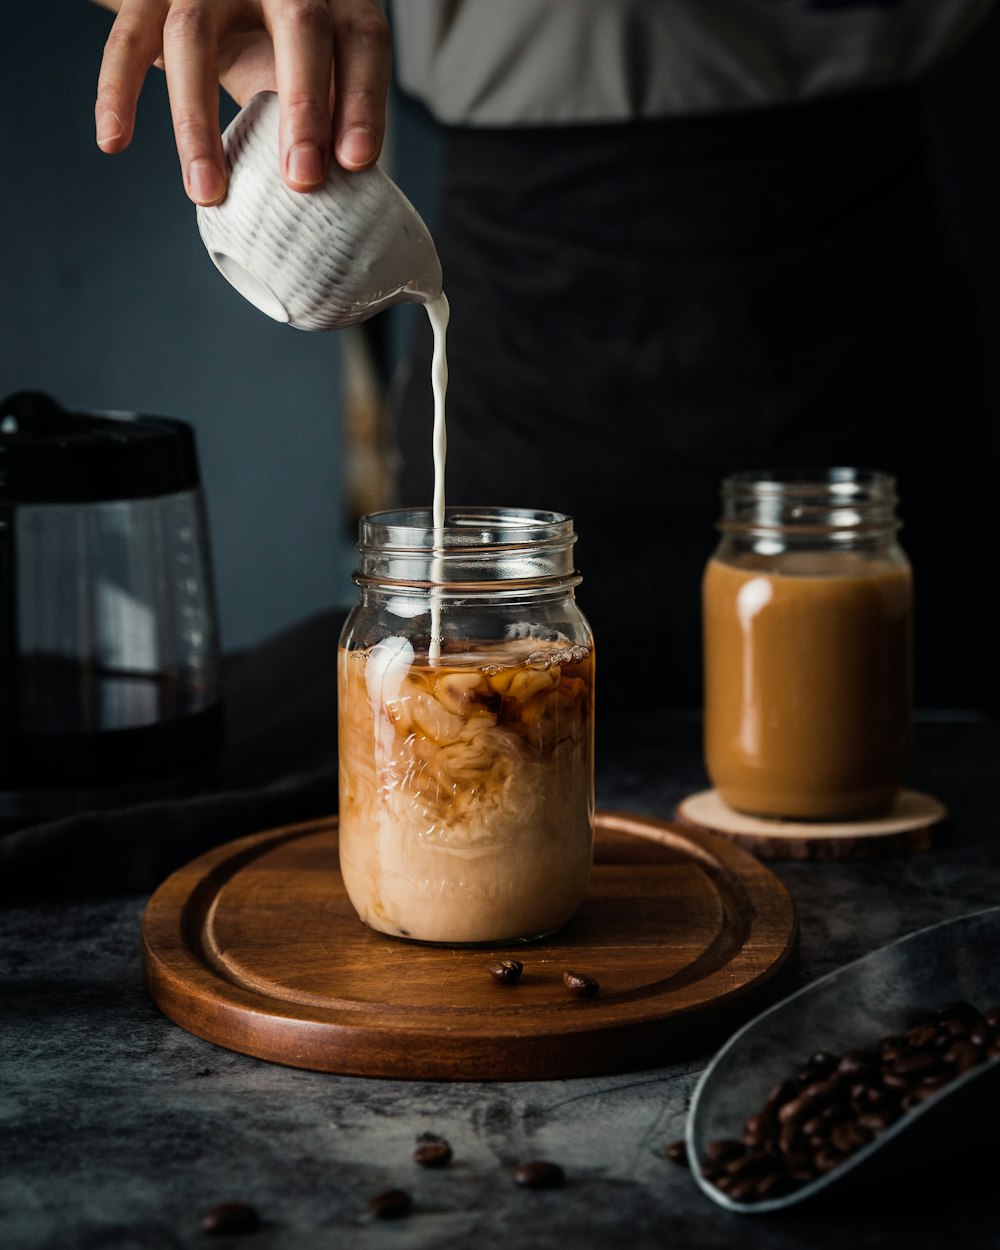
524	62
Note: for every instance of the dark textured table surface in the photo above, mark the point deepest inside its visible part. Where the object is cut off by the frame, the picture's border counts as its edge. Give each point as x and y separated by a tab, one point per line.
119	1129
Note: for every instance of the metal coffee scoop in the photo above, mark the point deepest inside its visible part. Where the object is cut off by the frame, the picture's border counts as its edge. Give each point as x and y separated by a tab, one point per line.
317	260
877	995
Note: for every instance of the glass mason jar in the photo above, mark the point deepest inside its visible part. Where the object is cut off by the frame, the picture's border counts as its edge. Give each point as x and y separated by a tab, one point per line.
807	620
466	727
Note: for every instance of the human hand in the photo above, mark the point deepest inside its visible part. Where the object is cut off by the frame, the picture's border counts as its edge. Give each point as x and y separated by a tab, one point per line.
327	59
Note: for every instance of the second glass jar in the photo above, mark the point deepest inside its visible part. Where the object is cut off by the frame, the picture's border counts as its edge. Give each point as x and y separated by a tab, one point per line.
466	727
807	615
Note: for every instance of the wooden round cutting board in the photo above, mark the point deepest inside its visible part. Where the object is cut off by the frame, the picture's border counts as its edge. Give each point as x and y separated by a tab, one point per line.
255	946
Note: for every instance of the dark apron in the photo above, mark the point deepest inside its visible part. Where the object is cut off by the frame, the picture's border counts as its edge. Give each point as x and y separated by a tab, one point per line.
639	309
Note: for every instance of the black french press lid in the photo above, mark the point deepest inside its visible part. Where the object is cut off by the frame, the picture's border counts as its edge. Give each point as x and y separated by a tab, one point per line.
51	455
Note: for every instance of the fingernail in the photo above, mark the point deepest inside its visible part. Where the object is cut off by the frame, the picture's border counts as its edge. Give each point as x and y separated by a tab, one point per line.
109	128
305	164
357	147
205	181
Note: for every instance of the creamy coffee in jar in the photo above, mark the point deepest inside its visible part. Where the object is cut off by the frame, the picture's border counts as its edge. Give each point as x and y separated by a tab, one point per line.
466	727
807	623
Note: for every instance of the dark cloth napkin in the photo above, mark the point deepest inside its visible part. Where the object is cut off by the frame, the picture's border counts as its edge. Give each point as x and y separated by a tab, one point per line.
278	767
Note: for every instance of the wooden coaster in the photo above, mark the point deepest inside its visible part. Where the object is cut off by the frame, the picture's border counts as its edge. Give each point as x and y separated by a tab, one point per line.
255	946
908	828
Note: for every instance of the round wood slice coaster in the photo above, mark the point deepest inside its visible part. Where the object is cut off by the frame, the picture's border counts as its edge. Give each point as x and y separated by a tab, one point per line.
908	828
255	946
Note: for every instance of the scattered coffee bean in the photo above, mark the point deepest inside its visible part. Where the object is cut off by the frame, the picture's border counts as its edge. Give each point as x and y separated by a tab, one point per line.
539	1174
580	983
507	971
677	1152
230	1218
390	1204
433	1154
834	1105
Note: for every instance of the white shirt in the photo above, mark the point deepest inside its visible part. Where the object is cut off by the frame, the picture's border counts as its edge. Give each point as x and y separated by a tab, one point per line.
516	62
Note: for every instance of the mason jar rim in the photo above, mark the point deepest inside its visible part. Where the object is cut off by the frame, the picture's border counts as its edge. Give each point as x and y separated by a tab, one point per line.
835	479
467	528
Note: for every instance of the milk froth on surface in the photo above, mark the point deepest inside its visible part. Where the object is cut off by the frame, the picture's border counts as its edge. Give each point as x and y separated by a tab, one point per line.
466	788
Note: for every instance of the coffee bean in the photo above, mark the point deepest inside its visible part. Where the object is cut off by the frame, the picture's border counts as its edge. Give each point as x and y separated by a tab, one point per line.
723	1149
760	1128
783	1092
955	1011
794	1112
962	1056
801	1167
752	1164
917	1064
827	1159
911	1099
993	1052
858	1064
921	1036
390	1204
539	1174
981	1035
742	1189
507	971
959	1027
677	1153
849	1137
230	1218
876	1121
992	1017
772	1185
789	1139
433	1154
580	983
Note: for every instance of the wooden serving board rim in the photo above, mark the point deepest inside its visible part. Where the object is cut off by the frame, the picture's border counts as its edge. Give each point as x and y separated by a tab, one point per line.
186	982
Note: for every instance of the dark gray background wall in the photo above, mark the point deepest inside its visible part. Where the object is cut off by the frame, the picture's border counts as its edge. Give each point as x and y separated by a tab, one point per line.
108	300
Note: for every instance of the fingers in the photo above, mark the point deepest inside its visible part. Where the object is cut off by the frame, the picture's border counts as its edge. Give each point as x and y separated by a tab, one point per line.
131	48
315	43
363	62
302	32
190	58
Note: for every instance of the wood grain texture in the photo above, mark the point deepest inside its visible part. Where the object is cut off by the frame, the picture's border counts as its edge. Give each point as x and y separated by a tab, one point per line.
910	827
255	946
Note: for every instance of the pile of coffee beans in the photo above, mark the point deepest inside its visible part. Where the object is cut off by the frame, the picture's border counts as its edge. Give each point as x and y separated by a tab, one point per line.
833	1105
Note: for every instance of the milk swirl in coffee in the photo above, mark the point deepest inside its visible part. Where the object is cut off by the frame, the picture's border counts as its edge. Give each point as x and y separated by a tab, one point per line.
466	766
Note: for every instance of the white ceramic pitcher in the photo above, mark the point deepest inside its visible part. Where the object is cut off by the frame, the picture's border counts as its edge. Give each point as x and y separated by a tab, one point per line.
321	259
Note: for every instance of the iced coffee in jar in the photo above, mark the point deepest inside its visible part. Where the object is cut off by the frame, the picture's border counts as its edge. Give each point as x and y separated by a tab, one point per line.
466	727
807	620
